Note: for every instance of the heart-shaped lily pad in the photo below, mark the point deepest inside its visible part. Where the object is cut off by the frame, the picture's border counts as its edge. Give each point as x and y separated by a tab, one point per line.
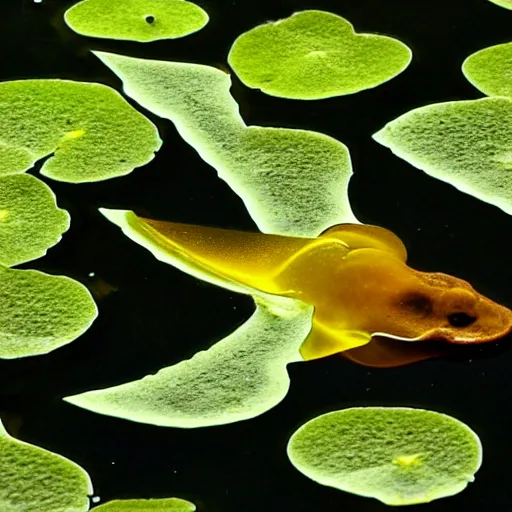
293	182
313	55
36	480
136	20
164	505
90	129
41	312
398	455
465	143
30	221
490	70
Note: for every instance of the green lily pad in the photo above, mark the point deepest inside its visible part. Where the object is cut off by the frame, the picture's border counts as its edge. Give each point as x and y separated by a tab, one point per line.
136	20
36	480
398	455
313	55
40	312
240	377
165	505
465	143
30	221
90	129
507	4
489	70
292	182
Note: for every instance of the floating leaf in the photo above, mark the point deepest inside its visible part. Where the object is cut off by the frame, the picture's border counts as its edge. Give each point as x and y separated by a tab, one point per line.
36	480
313	55
240	377
91	130
292	181
41	312
30	221
165	505
400	456
136	20
490	70
465	143
507	4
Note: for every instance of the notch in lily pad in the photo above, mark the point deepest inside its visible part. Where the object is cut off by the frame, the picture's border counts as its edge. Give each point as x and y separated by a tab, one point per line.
37	480
314	55
136	20
400	456
89	131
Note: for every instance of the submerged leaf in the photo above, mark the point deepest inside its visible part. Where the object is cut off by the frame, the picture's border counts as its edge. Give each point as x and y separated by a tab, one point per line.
465	143
163	505
398	455
136	20
313	55
90	129
240	377
292	181
490	70
36	480
41	312
30	221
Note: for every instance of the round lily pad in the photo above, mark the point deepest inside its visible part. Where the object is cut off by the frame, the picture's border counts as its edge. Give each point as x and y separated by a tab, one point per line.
30	221
136	20
313	55
490	70
292	182
36	480
92	132
398	455
165	505
465	143
41	312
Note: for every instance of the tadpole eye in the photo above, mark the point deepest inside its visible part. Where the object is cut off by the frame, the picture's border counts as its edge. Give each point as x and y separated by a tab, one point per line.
461	319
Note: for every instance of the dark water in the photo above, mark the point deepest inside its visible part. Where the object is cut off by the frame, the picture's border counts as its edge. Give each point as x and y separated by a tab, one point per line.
151	315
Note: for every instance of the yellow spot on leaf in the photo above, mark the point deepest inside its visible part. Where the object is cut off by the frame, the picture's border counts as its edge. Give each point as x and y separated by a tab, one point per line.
3	215
408	460
74	134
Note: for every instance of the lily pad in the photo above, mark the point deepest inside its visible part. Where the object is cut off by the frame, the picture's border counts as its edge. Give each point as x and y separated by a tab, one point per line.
398	455
292	181
240	377
465	143
41	312
90	129
490	70
507	4
165	505
30	221
36	480
313	55
136	20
